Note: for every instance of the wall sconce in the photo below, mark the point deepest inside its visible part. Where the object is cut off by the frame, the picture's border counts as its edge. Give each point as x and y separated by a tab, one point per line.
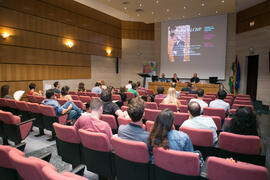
5	35
108	51
69	43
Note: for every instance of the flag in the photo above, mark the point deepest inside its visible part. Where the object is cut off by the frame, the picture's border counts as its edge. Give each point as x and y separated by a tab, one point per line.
234	80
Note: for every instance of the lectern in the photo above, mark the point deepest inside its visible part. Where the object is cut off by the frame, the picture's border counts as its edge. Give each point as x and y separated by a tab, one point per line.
144	76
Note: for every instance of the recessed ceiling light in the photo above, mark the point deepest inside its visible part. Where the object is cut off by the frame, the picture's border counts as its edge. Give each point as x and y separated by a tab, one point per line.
125	8
138	14
199	14
140	4
183	16
168	10
203	4
216	11
157	1
185	7
223	1
169	18
153	12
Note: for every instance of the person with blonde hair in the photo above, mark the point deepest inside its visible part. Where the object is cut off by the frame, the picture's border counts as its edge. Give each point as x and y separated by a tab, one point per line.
171	98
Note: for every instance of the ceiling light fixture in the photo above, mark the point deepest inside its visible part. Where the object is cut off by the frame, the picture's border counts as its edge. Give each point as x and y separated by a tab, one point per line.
216	12
125	8
138	14
203	4
168	10
223	1
185	7
153	12
157	1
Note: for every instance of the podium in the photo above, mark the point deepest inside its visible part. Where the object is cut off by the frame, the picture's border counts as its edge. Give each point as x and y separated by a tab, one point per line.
144	76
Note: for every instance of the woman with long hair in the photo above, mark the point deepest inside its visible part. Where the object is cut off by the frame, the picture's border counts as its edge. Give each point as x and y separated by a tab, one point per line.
172	98
64	94
5	92
81	87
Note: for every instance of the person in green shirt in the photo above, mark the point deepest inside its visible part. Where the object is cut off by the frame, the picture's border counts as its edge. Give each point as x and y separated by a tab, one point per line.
133	89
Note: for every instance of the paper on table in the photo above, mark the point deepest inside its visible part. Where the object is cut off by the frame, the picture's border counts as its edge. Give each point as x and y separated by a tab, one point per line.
18	95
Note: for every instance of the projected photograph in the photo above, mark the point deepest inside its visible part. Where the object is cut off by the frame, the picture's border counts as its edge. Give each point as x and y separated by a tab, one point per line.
179	43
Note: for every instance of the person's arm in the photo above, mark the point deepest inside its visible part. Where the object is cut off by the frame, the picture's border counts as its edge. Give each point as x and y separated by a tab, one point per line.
119	113
188	145
64	111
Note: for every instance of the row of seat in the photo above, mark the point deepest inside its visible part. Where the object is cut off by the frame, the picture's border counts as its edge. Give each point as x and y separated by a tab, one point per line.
14	165
130	159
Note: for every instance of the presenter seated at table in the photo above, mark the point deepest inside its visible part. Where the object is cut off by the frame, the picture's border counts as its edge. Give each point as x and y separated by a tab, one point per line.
163	78
175	79
195	78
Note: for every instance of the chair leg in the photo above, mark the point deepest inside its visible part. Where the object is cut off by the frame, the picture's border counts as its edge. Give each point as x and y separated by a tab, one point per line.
41	132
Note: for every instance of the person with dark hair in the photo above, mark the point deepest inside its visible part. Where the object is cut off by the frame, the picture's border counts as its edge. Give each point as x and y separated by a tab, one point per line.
109	107
243	122
97	89
134	130
133	89
123	96
187	88
200	93
163	136
160	91
81	87
220	103
128	86
91	121
64	94
69	107
163	78
32	87
175	79
197	121
57	87
5	92
195	78
177	92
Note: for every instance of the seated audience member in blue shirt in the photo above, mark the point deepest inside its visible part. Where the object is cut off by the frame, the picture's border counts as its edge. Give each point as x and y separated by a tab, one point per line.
133	130
97	89
163	78
69	107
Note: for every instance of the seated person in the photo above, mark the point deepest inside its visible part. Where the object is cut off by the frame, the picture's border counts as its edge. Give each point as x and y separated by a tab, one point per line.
199	99
128	86
220	103
97	89
243	122
197	121
134	130
163	78
69	107
171	98
91	121
81	87
121	92
64	94
103	85
160	91
5	92
139	86
187	88
57	87
175	79
108	106
177	92
133	89
32	87
195	79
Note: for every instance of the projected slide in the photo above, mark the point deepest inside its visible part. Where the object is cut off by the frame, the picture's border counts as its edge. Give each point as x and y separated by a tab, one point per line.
194	45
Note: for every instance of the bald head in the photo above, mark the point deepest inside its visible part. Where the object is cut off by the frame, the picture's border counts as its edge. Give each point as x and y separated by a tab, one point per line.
194	109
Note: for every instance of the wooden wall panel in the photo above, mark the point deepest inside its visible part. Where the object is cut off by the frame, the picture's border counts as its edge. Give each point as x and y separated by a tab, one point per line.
260	14
137	30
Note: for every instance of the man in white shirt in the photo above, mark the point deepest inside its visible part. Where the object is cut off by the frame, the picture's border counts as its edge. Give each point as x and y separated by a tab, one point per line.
199	100
197	121
220	103
129	86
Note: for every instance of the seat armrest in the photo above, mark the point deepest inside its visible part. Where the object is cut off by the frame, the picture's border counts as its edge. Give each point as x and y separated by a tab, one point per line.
27	121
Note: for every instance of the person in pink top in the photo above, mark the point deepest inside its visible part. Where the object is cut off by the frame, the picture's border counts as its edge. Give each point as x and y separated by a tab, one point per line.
91	121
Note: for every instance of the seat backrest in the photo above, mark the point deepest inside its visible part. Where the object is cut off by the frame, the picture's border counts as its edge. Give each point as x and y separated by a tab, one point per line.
91	94
85	99
151	114
222	169
150	92
151	105
172	160
131	150
183	102
66	133
158	100
22	105
28	168
243	95
79	104
130	95
39	99
3	102
47	110
123	121
12	103
179	118
51	174
244	144
95	141
186	98
9	118
227	121
243	98
183	108
31	98
4	156
72	93
149	125
199	137
110	119
75	97
34	108
141	92
217	121
172	107
116	97
232	111
61	101
207	100
236	106
228	100
214	112
244	102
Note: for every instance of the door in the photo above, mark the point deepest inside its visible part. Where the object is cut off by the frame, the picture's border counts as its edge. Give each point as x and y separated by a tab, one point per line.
252	76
